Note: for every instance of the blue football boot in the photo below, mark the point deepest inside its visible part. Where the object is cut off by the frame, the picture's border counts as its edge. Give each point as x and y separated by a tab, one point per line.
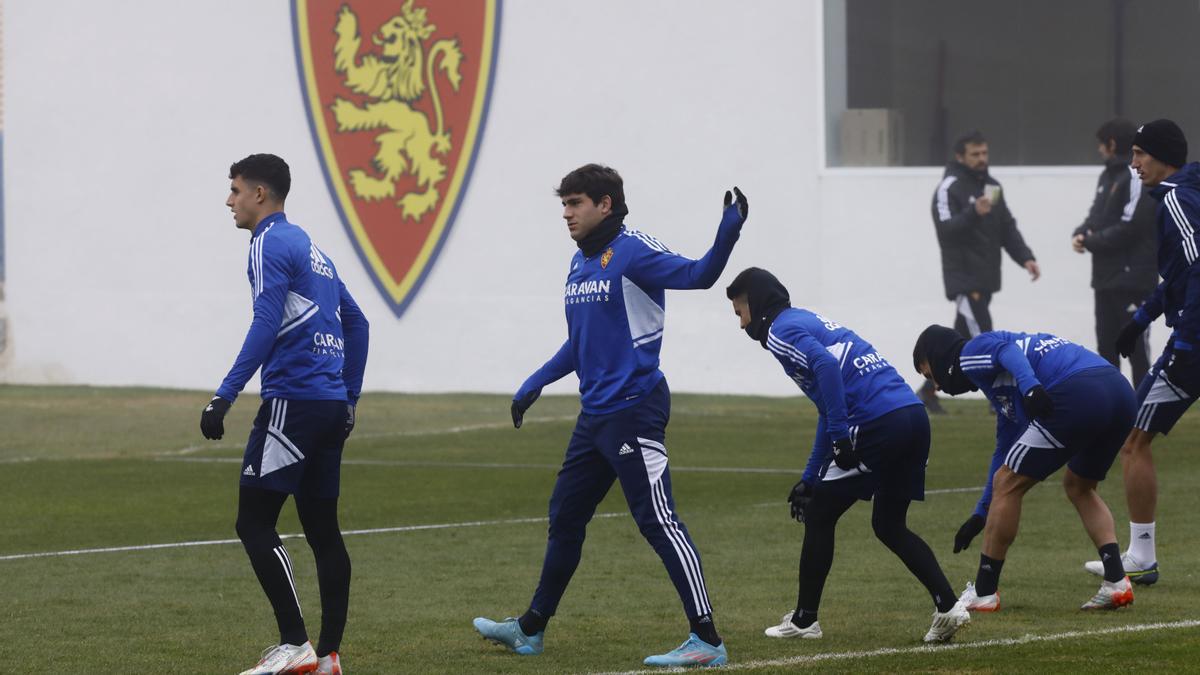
509	634
693	653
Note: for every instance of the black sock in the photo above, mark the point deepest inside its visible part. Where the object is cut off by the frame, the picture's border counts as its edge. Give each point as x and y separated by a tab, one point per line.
1110	556
987	579
319	518
532	622
803	618
705	629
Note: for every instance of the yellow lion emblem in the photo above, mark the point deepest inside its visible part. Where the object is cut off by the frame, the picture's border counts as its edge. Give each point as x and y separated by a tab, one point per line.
392	79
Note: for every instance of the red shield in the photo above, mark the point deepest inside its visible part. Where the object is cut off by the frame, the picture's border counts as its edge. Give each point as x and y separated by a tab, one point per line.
397	96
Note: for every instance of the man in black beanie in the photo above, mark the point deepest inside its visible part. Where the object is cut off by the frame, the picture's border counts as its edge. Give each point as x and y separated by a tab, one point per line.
872	443
1173	384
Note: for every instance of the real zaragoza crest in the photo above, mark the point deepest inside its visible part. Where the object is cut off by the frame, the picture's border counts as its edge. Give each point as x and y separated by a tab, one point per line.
397	94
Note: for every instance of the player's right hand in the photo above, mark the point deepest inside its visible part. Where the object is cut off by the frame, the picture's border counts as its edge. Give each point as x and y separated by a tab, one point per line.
1038	403
521	403
212	420
735	212
973	526
799	498
844	454
1127	338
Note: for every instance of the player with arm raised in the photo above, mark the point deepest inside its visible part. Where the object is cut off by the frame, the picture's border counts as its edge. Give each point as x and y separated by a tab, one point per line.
615	304
310	339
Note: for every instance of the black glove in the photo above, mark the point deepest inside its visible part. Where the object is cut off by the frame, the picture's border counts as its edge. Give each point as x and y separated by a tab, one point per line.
800	496
844	454
739	214
212	420
973	526
1038	404
349	419
1182	371
521	404
1127	338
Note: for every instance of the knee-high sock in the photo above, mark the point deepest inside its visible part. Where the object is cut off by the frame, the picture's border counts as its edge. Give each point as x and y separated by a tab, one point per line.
258	511
320	522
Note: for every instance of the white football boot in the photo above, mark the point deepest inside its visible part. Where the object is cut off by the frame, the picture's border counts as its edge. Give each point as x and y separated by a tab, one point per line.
285	660
979	603
946	624
1112	594
1138	571
787	629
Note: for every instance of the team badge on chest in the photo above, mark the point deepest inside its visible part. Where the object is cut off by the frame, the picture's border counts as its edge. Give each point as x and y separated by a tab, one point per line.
604	259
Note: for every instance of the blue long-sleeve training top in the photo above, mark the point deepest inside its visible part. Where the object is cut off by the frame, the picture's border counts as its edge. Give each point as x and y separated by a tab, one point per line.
308	335
616	309
844	376
1178	294
1005	366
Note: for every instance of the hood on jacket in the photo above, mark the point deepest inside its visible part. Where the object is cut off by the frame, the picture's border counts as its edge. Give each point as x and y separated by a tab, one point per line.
766	296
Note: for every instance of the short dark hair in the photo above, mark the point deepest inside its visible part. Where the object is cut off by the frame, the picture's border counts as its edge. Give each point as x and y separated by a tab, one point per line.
595	181
973	137
1120	131
265	169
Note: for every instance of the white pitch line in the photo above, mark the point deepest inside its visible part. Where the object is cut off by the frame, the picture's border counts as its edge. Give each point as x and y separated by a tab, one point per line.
935	649
487	465
215	542
484	426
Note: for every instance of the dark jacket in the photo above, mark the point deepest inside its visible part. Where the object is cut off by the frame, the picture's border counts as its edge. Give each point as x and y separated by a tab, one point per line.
1119	231
1178	294
971	243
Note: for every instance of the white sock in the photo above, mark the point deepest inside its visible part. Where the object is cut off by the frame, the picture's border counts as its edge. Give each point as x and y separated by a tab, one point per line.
1141	542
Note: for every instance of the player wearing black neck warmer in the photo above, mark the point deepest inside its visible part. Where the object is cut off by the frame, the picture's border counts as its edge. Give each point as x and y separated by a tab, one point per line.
615	304
872	443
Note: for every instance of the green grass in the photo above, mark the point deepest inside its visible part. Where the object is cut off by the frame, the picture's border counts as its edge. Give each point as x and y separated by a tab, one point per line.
85	467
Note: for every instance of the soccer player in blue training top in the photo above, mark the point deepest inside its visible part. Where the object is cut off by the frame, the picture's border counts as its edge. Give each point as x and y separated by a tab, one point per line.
310	339
1173	384
1056	403
872	442
615	306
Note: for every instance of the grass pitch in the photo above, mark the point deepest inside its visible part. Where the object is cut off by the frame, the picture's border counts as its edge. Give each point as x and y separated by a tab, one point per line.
85	468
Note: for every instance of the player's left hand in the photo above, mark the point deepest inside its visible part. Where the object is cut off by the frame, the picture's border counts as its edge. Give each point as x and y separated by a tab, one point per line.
844	454
349	419
799	498
735	213
1038	403
212	420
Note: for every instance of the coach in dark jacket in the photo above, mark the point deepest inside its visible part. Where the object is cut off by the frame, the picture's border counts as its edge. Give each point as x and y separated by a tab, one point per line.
973	223
1119	233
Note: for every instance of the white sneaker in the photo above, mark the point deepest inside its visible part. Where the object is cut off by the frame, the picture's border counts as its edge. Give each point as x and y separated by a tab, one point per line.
285	660
946	624
974	602
787	629
1112	594
1138	571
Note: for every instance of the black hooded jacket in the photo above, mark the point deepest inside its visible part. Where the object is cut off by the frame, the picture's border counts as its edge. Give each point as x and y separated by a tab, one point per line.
971	243
1122	240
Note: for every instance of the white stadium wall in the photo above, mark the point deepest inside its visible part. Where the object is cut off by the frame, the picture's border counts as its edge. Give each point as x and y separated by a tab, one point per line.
124	268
